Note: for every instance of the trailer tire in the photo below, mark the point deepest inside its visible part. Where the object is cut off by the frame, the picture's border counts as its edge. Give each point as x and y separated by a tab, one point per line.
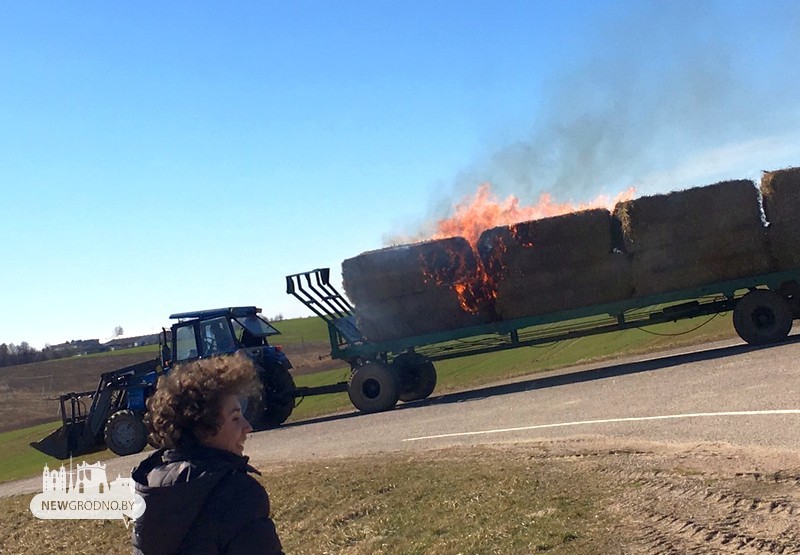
762	317
416	376
373	388
125	433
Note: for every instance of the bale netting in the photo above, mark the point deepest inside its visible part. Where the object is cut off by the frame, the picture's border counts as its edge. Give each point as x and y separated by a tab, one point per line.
780	191
417	289
554	264
694	237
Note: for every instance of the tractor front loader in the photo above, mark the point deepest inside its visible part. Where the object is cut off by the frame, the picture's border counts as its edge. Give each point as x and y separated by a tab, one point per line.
109	416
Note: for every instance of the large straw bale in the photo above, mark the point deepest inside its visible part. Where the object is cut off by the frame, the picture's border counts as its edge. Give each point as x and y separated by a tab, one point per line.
412	289
694	237
415	314
527	247
781	193
553	264
599	281
404	269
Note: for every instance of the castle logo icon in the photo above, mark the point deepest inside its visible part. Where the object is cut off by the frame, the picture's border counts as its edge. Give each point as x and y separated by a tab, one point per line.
86	493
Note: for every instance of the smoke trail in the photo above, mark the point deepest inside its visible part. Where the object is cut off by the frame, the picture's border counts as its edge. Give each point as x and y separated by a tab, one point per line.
662	90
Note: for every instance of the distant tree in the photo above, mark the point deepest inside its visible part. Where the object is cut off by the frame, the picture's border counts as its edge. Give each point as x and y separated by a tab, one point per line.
5	355
118	331
26	353
277	318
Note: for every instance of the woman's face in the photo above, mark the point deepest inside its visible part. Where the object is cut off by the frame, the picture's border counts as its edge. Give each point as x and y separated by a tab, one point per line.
234	429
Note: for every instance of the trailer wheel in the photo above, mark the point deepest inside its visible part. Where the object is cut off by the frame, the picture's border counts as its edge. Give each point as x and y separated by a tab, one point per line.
373	388
416	375
125	433
762	317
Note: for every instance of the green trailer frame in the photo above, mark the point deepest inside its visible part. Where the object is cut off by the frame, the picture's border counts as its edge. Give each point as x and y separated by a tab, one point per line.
779	299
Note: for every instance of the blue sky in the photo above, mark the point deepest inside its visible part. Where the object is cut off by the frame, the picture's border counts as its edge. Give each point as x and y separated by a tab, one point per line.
163	157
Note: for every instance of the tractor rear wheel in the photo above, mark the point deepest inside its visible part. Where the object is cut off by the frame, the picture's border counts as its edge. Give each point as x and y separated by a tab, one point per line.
416	375
279	398
125	433
762	317
276	402
373	387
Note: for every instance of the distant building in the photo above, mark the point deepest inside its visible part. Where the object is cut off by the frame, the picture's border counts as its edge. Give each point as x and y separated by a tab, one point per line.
79	347
128	342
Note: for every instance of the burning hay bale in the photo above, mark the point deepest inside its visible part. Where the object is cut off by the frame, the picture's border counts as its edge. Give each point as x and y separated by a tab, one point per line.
781	193
417	289
553	264
694	237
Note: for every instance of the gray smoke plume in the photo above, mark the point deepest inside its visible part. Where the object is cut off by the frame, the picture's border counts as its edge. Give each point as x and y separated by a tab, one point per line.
659	103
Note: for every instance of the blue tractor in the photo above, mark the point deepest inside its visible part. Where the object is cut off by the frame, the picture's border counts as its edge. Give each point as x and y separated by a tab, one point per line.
112	415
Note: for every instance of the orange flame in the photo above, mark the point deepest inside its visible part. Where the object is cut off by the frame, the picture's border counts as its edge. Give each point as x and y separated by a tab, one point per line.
483	211
471	282
462	272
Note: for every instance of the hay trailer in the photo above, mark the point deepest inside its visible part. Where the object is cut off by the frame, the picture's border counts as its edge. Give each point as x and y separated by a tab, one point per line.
763	307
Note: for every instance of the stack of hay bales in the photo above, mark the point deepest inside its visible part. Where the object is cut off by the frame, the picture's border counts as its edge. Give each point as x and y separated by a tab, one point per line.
694	237
412	290
553	264
781	193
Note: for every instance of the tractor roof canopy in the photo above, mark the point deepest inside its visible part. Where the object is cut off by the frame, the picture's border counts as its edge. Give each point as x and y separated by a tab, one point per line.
234	312
246	316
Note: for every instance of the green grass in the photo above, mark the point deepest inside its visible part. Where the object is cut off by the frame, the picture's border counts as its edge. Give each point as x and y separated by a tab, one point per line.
481	369
299	331
20	460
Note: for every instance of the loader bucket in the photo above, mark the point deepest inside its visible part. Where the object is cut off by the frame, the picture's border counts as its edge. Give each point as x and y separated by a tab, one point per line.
68	440
54	444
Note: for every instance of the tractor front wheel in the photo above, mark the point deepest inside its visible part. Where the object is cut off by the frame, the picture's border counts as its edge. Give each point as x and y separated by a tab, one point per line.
125	433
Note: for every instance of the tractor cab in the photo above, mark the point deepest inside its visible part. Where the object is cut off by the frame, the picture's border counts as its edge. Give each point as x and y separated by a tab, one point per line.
219	331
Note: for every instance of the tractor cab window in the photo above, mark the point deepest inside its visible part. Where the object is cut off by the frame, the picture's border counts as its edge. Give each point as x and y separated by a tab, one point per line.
252	331
185	343
217	337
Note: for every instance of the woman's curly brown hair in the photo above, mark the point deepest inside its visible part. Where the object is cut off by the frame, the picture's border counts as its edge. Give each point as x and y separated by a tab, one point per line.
185	409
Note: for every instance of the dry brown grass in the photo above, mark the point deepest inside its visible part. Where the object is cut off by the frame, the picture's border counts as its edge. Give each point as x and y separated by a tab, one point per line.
458	501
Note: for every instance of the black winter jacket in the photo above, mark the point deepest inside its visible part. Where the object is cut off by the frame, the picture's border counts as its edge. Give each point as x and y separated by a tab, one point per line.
202	501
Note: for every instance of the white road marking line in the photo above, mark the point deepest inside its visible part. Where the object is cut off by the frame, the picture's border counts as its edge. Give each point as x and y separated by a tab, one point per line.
613	420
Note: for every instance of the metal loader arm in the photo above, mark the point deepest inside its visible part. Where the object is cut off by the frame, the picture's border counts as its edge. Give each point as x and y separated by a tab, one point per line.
314	289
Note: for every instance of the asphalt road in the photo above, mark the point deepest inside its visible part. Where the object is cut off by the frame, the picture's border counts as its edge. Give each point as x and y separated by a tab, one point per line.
722	392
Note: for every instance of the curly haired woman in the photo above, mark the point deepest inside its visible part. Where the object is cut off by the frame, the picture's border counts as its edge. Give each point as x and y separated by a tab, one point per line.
199	494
